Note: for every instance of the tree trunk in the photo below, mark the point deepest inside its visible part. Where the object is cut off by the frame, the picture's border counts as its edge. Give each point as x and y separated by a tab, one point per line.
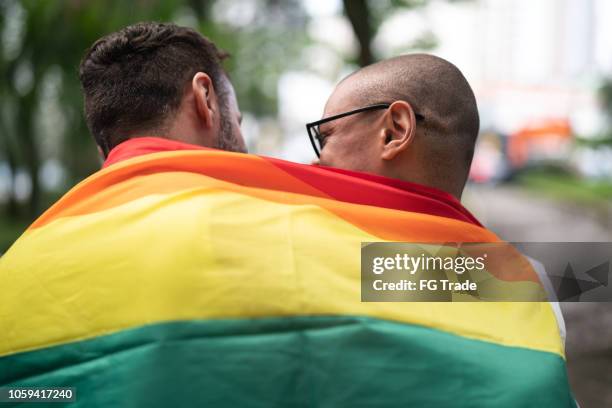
358	13
25	121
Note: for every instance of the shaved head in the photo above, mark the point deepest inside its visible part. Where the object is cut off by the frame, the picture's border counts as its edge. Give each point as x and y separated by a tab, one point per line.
438	95
435	87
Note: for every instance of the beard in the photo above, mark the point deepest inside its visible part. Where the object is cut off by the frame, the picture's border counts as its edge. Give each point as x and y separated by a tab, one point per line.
228	140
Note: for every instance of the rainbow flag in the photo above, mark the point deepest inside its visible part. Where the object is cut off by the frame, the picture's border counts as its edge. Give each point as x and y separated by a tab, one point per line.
208	278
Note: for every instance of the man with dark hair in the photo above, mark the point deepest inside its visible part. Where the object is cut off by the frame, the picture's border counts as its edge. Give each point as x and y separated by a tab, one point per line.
162	80
420	124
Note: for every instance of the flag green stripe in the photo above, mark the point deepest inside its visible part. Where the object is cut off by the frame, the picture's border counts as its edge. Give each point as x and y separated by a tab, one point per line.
327	361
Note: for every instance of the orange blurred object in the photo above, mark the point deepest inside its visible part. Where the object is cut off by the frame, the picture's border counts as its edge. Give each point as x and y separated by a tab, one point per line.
549	139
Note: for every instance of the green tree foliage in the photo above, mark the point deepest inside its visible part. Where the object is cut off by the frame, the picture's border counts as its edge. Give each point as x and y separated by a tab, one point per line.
605	94
43	39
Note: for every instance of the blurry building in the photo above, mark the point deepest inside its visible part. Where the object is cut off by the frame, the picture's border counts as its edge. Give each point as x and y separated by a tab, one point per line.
529	60
535	66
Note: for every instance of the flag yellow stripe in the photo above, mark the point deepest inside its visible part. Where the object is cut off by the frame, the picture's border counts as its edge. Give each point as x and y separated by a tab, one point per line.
210	253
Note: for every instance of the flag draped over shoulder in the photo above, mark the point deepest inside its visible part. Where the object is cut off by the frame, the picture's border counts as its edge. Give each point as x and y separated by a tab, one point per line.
202	277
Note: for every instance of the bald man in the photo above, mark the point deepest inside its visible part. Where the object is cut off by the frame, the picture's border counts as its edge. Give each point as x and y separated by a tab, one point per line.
415	119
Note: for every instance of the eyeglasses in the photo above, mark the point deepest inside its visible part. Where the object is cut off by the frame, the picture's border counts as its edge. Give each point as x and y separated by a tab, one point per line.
313	128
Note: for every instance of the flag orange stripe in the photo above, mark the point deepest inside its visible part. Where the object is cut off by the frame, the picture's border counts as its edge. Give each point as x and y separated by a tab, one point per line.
244	170
387	224
263	173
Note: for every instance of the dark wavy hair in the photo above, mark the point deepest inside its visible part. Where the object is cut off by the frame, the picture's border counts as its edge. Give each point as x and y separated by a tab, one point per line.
133	80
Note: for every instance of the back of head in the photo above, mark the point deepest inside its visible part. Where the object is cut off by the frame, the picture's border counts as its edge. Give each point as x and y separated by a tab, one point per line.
438	92
134	79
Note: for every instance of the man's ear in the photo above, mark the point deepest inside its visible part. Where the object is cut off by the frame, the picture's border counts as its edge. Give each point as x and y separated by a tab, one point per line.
399	130
206	104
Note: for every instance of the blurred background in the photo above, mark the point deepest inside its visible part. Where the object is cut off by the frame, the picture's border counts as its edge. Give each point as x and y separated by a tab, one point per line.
541	71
